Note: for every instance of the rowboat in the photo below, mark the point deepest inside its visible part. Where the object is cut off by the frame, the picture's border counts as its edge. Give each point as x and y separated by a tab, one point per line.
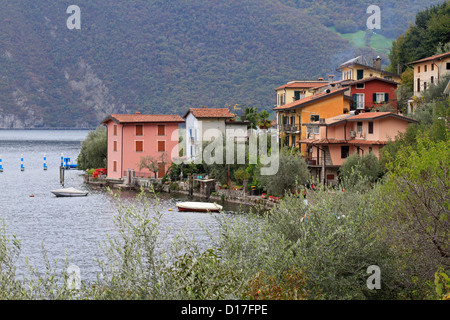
198	206
69	192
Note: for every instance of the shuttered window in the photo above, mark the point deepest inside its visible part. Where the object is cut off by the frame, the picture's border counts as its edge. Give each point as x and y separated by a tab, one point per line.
115	166
115	145
139	146
161	146
115	129
139	130
161	130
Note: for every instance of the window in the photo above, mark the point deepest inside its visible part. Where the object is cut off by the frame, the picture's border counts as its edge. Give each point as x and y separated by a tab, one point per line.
359	74
359	125
115	166
139	130
380	97
360	86
418	69
432	67
370	149
161	146
139	146
314	117
115	146
312	130
431	79
345	151
370	127
425	68
418	85
358	99
115	130
424	85
161	130
299	95
448	65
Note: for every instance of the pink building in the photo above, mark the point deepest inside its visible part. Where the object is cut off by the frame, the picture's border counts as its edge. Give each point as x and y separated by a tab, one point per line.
330	141
132	136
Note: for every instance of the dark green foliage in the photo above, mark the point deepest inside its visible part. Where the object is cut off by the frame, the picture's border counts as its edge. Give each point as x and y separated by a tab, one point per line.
93	150
427	37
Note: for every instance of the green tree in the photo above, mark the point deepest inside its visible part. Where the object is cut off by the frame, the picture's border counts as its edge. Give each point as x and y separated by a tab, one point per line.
356	169
292	171
416	203
93	150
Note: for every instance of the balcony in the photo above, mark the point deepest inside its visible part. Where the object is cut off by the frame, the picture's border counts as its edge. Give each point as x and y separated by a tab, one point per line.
290	129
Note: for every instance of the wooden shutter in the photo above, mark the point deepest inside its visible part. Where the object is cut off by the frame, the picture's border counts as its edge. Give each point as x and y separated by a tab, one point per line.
139	130
374	98
370	127
386	97
115	146
161	146
139	146
161	130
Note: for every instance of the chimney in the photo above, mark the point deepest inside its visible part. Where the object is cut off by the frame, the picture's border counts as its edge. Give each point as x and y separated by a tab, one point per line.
137	112
377	63
320	79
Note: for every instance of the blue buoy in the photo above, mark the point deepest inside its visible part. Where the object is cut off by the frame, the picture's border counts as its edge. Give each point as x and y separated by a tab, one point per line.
22	167
45	162
1	165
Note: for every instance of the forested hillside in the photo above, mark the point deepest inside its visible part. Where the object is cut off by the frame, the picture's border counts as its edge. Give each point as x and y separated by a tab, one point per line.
161	56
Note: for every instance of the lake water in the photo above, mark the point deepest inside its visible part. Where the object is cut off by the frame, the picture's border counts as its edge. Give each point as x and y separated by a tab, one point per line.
75	225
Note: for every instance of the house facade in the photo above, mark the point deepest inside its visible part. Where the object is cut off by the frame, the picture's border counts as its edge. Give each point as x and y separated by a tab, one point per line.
296	90
358	69
292	116
334	139
132	136
373	92
429	71
201	125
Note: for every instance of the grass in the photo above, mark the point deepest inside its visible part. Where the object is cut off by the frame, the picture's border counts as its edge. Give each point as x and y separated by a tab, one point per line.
377	42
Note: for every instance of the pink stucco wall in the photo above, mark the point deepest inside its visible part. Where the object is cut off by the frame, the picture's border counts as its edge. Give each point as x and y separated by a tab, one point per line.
126	156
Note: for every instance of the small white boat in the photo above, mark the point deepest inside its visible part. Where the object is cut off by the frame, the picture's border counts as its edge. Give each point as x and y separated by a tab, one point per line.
69	192
199	206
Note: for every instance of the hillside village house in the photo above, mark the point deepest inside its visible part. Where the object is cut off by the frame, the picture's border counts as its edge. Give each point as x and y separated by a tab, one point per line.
358	69
333	139
372	92
428	71
290	117
202	125
132	136
296	90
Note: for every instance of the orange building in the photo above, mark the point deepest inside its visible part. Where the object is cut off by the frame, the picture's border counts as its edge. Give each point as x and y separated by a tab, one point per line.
291	116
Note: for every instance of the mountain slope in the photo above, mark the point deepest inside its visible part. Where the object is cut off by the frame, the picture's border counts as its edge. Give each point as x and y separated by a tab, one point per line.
154	56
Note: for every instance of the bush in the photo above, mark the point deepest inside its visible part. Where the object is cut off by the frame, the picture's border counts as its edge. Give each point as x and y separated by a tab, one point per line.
93	150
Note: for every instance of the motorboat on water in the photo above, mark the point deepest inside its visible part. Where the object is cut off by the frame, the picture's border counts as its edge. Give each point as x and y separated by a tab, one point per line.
199	206
69	192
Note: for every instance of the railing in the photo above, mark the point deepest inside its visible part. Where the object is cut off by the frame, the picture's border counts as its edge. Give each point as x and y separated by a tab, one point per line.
139	174
290	129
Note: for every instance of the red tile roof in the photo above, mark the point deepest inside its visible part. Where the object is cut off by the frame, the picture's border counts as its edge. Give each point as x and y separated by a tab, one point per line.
435	57
371	79
310	99
142	118
378	115
210	113
299	84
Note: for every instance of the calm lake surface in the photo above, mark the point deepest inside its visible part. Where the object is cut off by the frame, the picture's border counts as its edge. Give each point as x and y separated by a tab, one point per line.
73	225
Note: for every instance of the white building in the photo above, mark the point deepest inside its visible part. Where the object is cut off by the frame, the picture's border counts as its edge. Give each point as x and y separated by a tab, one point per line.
205	124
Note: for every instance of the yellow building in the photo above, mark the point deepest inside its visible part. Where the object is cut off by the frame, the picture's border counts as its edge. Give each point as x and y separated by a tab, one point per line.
291	116
357	69
296	90
429	71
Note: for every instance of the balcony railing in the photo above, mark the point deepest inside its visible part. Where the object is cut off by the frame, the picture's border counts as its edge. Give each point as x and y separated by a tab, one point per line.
290	129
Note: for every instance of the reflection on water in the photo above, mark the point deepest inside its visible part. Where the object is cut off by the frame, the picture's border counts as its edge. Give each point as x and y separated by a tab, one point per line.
75	225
